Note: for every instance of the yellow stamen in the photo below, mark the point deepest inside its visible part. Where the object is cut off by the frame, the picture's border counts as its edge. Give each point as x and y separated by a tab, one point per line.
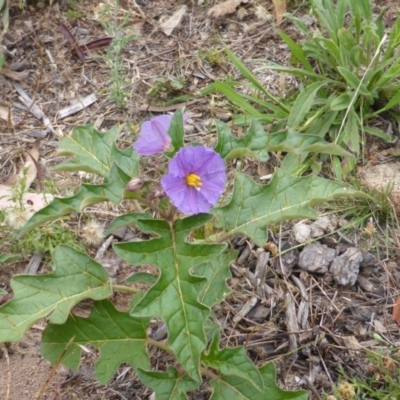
194	180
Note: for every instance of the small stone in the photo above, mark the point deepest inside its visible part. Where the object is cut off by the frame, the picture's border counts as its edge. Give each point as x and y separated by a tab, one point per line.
323	225
302	233
369	260
316	258
383	177
345	268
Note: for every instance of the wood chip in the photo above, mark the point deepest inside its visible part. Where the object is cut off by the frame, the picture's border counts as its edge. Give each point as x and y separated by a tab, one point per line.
171	23
245	309
80	105
291	324
32	107
34	264
6	115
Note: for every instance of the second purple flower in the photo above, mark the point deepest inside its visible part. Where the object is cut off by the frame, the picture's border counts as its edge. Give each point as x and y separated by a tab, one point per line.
153	136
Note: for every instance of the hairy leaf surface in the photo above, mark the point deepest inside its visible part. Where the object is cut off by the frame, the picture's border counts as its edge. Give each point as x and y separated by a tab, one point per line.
233	387
119	338
76	277
168	385
255	206
95	152
174	297
253	144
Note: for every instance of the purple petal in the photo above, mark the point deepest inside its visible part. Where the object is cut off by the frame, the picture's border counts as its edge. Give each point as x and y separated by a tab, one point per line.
205	163
153	137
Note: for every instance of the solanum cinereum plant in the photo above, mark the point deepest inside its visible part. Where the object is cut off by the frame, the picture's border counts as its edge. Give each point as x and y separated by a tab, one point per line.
184	202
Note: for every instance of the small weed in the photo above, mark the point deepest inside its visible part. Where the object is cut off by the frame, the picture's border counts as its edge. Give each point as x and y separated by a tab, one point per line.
214	56
72	12
118	79
167	86
2	60
382	382
43	239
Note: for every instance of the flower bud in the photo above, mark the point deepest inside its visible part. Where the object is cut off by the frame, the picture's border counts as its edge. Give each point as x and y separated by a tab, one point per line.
159	194
135	184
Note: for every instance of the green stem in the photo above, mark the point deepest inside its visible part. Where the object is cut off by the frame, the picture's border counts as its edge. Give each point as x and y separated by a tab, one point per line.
160	346
125	289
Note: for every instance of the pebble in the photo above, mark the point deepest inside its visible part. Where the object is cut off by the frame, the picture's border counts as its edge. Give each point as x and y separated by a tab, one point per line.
346	267
316	258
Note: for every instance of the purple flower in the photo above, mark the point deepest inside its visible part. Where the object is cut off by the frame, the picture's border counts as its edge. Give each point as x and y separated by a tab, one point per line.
153	136
196	179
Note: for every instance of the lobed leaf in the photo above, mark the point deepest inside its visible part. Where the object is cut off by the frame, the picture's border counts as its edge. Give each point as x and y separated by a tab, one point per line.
253	143
113	189
95	152
253	207
233	387
125	220
294	142
76	277
232	362
119	338
174	297
217	272
167	385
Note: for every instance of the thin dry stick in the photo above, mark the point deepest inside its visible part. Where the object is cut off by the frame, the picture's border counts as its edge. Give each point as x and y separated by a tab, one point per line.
312	388
53	370
358	87
8	389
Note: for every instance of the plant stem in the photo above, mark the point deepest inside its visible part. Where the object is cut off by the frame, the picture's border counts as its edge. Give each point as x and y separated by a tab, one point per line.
125	289
160	346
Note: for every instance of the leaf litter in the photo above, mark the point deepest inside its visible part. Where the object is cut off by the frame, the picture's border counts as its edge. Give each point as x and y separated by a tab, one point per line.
302	320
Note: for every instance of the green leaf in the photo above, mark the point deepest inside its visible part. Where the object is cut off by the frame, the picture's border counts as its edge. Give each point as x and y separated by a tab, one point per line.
142	277
341	102
378	133
346	39
253	207
125	220
233	387
174	297
5	17
3	291
217	272
113	189
298	143
236	98
393	102
303	104
296	50
168	385
119	338
297	72
176	132
255	142
249	76
232	362
394	39
95	152
6	258
354	81
76	277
